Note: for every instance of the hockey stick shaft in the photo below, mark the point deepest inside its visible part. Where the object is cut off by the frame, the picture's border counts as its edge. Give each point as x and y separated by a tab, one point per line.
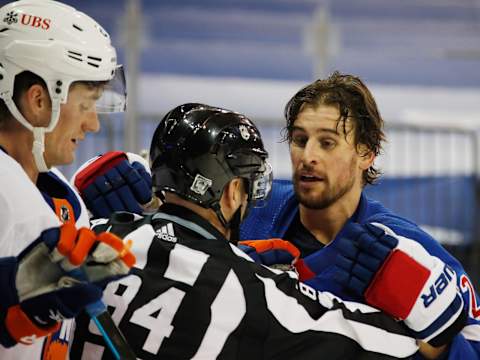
112	335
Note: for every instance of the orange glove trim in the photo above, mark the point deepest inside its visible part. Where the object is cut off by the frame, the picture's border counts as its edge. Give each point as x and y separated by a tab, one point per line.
86	240
22	329
127	256
272	244
112	240
122	248
68	235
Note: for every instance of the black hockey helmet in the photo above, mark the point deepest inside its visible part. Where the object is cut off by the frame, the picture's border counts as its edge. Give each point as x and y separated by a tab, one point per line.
197	149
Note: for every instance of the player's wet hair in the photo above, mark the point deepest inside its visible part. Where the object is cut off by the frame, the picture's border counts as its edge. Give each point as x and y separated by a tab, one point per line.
354	101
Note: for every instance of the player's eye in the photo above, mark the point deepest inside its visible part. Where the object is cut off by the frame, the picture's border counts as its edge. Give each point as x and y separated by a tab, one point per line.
299	140
327	143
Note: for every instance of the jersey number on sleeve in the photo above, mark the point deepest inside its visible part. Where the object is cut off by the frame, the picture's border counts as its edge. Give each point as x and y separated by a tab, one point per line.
468	287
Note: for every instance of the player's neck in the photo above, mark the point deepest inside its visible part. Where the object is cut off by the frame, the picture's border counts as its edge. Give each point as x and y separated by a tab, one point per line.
18	144
326	223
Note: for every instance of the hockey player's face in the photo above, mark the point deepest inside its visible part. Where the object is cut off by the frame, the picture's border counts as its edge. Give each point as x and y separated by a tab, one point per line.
77	117
326	166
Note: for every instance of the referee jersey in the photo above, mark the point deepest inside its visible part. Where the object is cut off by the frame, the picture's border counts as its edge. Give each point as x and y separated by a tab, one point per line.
193	295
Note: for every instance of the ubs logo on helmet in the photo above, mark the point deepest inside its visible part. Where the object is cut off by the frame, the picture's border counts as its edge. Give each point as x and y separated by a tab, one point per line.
11	18
28	20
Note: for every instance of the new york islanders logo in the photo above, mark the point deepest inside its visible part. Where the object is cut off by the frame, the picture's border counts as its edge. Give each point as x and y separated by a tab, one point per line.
64	214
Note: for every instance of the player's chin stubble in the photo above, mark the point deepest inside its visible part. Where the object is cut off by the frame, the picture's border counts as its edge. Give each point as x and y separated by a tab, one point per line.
325	198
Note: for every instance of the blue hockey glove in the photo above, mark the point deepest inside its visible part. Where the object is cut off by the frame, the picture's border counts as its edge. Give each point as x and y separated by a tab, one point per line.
39	287
114	181
362	251
398	276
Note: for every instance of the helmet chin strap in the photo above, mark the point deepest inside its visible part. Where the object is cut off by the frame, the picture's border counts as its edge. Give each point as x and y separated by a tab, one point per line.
38	148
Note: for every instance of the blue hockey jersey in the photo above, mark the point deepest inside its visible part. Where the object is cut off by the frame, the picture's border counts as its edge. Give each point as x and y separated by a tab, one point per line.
275	220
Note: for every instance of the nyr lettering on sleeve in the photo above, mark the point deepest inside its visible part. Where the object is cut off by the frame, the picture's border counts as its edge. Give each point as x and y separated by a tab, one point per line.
437	288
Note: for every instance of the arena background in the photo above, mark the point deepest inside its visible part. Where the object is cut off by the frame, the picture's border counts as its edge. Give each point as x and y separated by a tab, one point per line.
421	59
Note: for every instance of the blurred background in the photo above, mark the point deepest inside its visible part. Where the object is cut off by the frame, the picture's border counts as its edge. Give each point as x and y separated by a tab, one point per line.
420	58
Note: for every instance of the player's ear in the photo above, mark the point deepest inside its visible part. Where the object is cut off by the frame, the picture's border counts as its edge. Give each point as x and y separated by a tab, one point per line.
366	156
35	105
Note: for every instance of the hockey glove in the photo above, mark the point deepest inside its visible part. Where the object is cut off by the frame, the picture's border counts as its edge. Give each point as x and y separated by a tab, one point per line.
114	181
398	276
48	282
271	251
276	253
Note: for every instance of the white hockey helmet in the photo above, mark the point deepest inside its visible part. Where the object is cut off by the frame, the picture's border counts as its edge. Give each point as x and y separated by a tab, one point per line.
61	45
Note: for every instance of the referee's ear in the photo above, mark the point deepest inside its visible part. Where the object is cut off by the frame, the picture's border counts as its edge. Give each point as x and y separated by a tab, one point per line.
233	197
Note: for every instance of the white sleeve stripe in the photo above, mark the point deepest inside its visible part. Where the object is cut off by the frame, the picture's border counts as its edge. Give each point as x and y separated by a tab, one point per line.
230	296
471	332
141	239
293	317
446	325
185	264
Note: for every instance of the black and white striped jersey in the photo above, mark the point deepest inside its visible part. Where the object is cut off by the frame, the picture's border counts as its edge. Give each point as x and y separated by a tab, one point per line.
193	295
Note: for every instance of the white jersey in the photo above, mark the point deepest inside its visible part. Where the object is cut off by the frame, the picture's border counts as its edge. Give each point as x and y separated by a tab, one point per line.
24	215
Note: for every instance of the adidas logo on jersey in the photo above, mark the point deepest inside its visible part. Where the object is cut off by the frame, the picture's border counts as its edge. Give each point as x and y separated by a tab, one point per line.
166	233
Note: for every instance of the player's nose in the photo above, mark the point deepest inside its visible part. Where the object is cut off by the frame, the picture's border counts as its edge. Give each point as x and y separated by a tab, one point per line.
91	122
